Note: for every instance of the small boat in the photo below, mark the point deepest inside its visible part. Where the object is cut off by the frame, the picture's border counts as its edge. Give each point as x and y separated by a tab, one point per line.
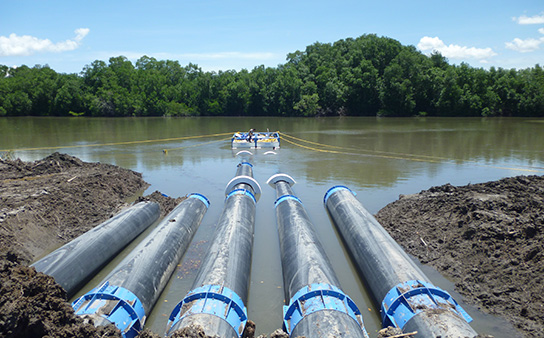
256	139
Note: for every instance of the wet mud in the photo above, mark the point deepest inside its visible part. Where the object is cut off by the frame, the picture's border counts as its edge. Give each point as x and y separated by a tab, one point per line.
487	238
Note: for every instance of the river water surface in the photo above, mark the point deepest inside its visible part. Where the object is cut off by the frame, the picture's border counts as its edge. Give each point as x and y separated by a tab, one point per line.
377	158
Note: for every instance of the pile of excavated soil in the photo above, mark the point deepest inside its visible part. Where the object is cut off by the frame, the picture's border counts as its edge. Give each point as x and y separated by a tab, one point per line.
49	202
488	238
43	205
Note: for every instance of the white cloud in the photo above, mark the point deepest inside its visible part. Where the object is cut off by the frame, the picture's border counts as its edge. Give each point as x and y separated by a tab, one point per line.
533	20
541	30
525	46
15	45
454	51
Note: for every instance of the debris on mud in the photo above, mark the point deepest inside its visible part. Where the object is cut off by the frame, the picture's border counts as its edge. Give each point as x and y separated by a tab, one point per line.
391	332
47	203
488	238
33	305
166	203
43	205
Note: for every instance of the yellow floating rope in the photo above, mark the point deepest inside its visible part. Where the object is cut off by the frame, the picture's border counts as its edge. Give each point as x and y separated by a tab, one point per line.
195	145
121	143
397	156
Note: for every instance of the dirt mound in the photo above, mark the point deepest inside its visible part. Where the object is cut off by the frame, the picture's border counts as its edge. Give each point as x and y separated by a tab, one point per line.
43	205
49	202
33	305
487	237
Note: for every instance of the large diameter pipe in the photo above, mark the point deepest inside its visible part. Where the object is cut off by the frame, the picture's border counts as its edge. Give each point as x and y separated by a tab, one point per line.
317	306
73	264
131	289
408	300
219	293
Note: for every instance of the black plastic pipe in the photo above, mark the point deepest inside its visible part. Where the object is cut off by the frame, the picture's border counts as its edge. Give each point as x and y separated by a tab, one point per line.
74	264
317	306
219	293
410	301
131	289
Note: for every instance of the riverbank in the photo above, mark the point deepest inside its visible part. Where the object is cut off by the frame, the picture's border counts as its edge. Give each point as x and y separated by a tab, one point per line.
46	203
488	238
43	205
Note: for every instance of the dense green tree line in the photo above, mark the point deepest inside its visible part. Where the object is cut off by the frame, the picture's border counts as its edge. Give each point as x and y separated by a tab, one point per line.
366	76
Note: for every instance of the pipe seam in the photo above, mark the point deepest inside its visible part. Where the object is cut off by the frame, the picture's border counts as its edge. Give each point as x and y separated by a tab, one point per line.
241	192
285	198
200	197
335	189
244	179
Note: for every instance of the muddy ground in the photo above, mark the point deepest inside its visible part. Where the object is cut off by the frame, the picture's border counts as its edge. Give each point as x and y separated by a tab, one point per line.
488	238
43	205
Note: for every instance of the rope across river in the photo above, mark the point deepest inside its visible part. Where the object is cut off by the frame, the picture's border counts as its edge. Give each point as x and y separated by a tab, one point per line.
325	148
298	142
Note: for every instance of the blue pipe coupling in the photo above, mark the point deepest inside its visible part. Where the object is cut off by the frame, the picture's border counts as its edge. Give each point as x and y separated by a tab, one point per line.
335	189
215	300
115	304
200	197
285	198
317	297
407	299
241	192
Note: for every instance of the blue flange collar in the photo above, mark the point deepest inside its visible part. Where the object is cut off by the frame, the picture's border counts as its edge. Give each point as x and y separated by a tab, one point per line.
200	197
241	192
285	198
317	297
335	189
116	304
216	300
407	299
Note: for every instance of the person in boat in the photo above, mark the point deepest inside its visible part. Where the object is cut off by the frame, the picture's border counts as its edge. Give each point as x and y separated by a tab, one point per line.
250	135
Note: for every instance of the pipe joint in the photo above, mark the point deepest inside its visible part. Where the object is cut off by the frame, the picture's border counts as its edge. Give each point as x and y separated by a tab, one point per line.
241	192
245	163
285	198
317	297
244	179
115	304
200	197
407	299
216	300
280	177
335	189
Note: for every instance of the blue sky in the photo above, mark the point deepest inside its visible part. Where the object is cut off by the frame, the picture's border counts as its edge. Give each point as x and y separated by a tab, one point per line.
222	35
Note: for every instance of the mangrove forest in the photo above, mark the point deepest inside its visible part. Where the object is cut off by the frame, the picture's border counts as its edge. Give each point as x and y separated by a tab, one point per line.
364	76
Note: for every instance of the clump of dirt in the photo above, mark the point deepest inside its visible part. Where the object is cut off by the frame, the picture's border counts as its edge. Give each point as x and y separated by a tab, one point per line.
389	332
279	333
486	237
166	203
